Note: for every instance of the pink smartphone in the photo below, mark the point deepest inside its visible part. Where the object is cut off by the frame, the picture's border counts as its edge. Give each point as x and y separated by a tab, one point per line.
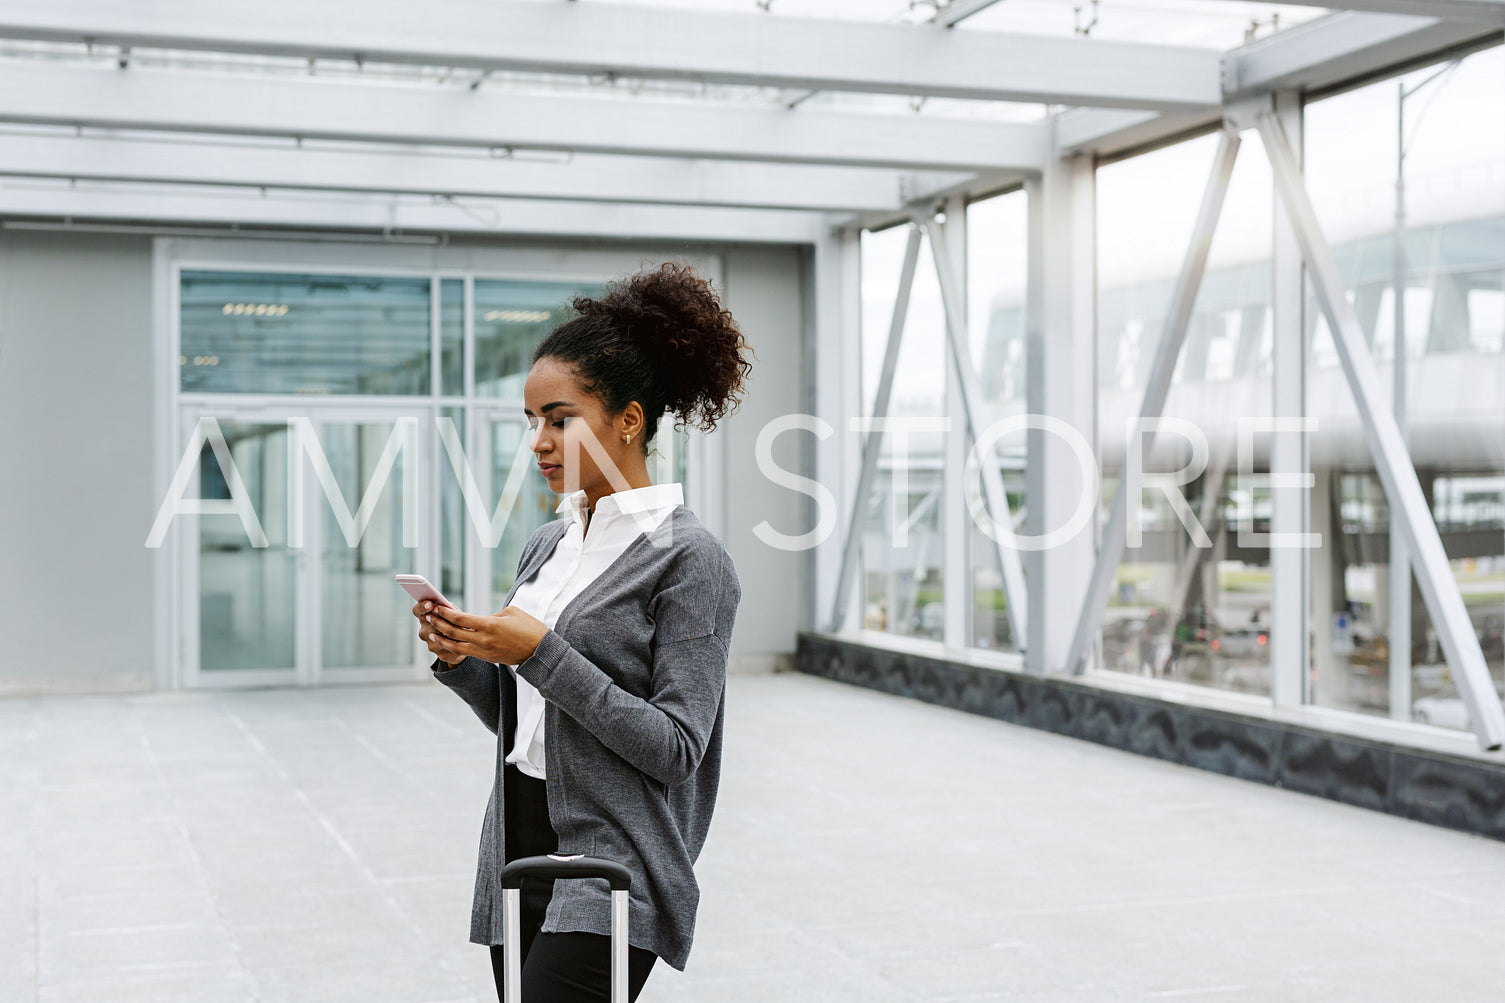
420	589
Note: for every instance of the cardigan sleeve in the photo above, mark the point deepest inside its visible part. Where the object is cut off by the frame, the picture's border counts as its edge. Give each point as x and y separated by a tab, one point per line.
666	734
477	683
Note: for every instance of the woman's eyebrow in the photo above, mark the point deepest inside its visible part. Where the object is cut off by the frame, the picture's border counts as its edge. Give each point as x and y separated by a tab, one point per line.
549	407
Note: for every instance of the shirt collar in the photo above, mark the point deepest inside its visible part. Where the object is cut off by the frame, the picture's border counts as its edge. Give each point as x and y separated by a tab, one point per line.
649	498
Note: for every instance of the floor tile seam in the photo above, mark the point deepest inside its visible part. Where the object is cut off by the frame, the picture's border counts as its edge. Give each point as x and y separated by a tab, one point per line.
384	891
201	870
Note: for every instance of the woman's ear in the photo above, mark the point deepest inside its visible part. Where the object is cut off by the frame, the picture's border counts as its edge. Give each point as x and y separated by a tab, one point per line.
632	420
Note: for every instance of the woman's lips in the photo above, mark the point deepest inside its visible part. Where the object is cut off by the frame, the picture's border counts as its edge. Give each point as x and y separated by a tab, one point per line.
548	468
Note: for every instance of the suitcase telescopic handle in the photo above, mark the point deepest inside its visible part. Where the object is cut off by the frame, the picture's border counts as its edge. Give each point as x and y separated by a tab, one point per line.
574	865
560	865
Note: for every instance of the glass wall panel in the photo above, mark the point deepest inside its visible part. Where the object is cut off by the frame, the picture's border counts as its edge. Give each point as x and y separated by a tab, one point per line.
902	549
258	332
452	517
1451	322
246	592
511	318
365	621
451	338
1191	599
997	255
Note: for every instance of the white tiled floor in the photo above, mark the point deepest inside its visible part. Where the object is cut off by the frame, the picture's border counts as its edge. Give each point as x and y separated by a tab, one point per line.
286	845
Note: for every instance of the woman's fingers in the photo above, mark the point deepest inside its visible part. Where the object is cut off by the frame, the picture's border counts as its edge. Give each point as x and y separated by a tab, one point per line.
445	618
428	615
438	643
479	636
444	651
428	627
461	620
447	645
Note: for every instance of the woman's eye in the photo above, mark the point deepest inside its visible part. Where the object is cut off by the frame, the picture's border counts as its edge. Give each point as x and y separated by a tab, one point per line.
560	422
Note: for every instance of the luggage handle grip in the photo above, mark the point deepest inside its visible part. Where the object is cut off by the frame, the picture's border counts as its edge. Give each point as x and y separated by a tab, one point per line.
573	865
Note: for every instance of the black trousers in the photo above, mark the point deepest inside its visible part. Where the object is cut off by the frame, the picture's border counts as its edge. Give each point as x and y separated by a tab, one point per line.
573	967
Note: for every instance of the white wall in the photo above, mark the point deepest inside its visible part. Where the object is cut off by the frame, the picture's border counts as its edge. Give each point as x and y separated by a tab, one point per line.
764	294
76	493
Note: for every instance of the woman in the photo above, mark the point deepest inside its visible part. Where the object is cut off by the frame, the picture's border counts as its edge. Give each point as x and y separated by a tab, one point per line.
604	676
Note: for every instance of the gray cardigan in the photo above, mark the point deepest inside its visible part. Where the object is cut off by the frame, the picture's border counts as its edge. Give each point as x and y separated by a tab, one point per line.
634	675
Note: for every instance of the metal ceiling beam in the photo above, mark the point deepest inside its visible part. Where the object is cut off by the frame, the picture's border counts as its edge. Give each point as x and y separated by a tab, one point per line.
157	204
949	15
313	108
657	43
1484	10
1107	131
931	188
953	12
244	163
1320	53
1340	47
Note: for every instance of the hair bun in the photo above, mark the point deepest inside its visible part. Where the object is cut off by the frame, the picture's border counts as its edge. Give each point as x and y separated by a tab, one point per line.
690	341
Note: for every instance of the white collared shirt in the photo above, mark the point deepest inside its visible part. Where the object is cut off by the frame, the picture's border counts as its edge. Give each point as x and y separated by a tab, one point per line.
578	559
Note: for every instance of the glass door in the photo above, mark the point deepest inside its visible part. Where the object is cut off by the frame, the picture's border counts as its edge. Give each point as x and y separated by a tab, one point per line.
290	580
240	578
370	513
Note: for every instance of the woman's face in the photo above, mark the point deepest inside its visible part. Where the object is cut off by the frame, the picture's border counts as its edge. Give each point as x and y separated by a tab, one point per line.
562	417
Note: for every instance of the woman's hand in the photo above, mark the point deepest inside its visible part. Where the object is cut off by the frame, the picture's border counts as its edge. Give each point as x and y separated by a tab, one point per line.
507	637
424	611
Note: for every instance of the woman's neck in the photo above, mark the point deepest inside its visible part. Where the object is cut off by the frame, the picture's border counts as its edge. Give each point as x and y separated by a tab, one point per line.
635	479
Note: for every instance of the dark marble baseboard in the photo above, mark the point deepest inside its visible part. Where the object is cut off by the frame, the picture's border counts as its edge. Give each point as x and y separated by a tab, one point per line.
1455	792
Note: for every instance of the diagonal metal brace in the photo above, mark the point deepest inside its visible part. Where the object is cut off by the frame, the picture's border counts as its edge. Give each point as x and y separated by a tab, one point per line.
1016	596
1110	551
871	447
1387	446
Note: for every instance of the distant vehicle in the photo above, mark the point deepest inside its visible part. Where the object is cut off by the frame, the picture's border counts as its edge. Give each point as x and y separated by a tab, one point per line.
1244	642
1444	712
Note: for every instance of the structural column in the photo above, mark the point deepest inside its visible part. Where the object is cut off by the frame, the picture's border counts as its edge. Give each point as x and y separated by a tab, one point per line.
1060	347
834	393
1289	453
954	520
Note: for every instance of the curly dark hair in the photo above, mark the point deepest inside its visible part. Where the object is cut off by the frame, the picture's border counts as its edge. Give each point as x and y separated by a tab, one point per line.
660	338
